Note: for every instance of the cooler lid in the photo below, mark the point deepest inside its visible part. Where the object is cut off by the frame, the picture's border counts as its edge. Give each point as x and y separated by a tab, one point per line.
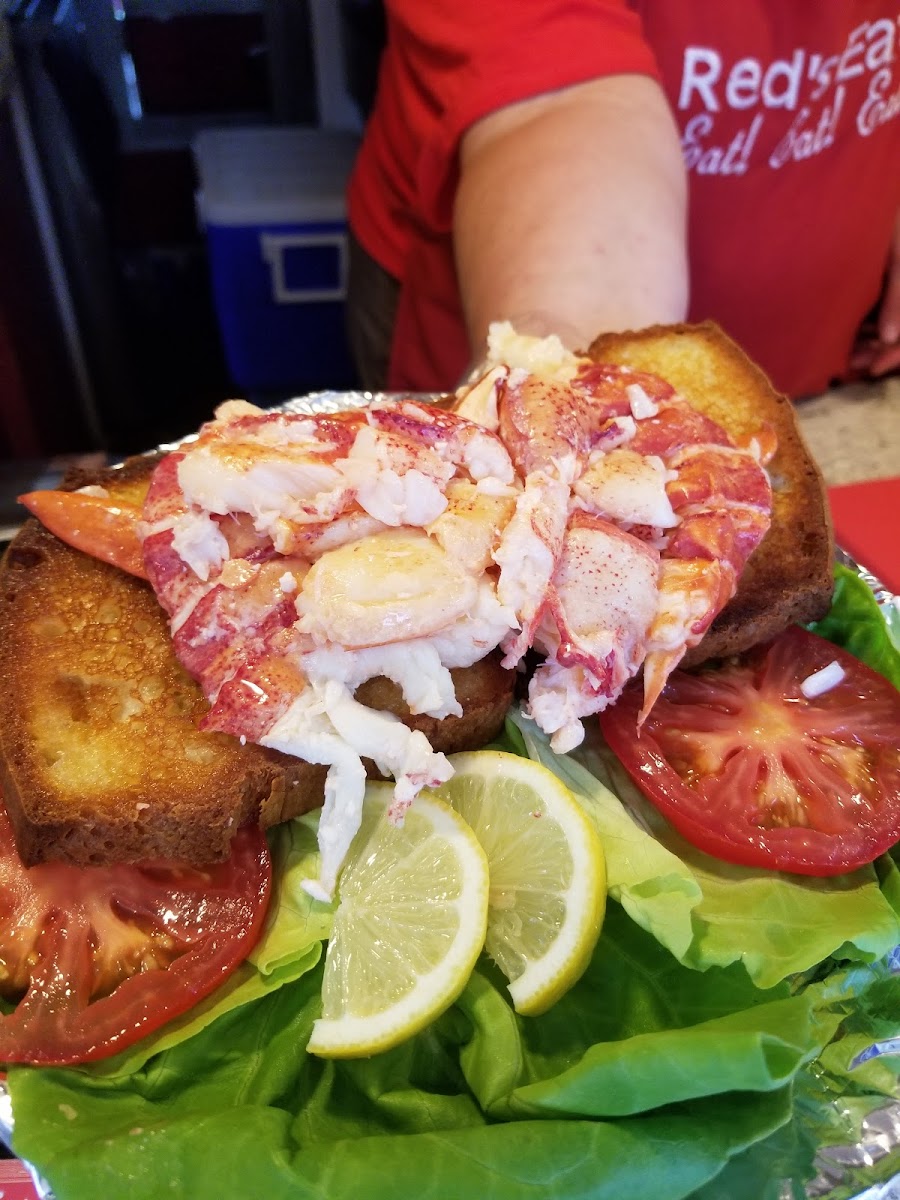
276	174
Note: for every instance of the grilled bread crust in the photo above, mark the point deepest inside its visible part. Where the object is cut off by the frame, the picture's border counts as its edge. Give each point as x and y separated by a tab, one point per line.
101	759
789	577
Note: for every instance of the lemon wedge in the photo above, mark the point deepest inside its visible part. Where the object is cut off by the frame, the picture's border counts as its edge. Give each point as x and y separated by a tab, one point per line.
547	872
408	929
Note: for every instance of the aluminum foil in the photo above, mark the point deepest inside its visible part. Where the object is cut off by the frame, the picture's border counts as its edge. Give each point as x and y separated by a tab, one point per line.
835	1165
888	602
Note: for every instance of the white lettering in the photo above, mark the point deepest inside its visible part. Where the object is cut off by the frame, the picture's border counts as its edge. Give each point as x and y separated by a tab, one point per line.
847	68
824	75
781	83
710	161
806	138
881	44
877	107
742	87
702	68
691	140
732	159
808	85
737	156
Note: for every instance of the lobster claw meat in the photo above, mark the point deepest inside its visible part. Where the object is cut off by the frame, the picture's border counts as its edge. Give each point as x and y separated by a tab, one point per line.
92	524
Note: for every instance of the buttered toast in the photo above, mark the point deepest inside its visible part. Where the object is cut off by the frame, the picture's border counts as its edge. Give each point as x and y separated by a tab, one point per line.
101	759
789	577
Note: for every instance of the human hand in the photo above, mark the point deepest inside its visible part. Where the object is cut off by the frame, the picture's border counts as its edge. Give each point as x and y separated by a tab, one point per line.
877	351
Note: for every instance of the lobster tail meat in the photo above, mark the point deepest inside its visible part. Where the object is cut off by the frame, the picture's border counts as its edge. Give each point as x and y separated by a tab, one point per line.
601	602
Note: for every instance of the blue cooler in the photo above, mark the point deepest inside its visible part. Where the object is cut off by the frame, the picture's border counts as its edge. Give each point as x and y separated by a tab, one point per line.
271	200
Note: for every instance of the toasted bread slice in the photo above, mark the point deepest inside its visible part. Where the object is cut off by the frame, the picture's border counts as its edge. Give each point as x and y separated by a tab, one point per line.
100	756
789	577
101	759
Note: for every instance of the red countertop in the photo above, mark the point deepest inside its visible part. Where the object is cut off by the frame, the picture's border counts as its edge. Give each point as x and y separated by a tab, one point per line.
866	520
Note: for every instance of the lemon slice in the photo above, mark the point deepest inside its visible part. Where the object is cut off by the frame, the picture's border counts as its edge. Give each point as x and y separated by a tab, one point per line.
409	926
548	872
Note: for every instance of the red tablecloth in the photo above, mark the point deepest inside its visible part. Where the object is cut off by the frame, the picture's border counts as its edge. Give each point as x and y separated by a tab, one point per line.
867	525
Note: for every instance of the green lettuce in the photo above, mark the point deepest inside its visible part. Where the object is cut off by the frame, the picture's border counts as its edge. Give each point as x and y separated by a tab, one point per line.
861	625
711	913
645	1080
732	1035
291	945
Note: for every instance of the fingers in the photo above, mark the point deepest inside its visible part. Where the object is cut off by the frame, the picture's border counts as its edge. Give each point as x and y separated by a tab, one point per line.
873	358
889	314
885	361
880	354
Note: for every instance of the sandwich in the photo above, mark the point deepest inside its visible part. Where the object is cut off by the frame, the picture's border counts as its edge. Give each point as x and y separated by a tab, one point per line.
110	693
102	758
59	664
787	580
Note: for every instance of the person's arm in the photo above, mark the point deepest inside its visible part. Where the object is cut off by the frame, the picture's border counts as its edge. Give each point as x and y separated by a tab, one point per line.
570	215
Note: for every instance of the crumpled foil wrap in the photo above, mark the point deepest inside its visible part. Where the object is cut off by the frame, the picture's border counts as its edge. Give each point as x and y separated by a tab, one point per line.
835	1165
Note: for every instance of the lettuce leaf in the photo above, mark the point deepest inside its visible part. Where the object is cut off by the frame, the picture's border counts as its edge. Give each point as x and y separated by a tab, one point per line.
857	622
711	913
732	1027
645	1080
707	912
290	946
648	1079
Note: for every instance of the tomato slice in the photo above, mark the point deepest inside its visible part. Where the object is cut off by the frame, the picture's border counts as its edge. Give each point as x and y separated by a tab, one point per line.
750	770
103	956
104	529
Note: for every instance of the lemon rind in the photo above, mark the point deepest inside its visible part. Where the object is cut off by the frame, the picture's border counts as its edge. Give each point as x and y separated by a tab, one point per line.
547	978
355	1036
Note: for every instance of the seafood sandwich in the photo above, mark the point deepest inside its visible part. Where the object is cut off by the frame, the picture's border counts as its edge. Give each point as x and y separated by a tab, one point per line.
594	509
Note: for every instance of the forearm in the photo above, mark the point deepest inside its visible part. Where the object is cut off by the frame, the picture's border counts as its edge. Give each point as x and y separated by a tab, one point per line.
571	211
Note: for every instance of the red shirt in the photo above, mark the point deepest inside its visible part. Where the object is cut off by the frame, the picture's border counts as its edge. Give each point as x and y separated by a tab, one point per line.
790	119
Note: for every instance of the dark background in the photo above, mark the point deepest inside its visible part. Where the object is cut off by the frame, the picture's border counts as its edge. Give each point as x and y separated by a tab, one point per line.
109	344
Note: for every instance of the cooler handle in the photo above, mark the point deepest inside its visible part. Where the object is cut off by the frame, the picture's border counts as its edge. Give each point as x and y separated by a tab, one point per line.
274	246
